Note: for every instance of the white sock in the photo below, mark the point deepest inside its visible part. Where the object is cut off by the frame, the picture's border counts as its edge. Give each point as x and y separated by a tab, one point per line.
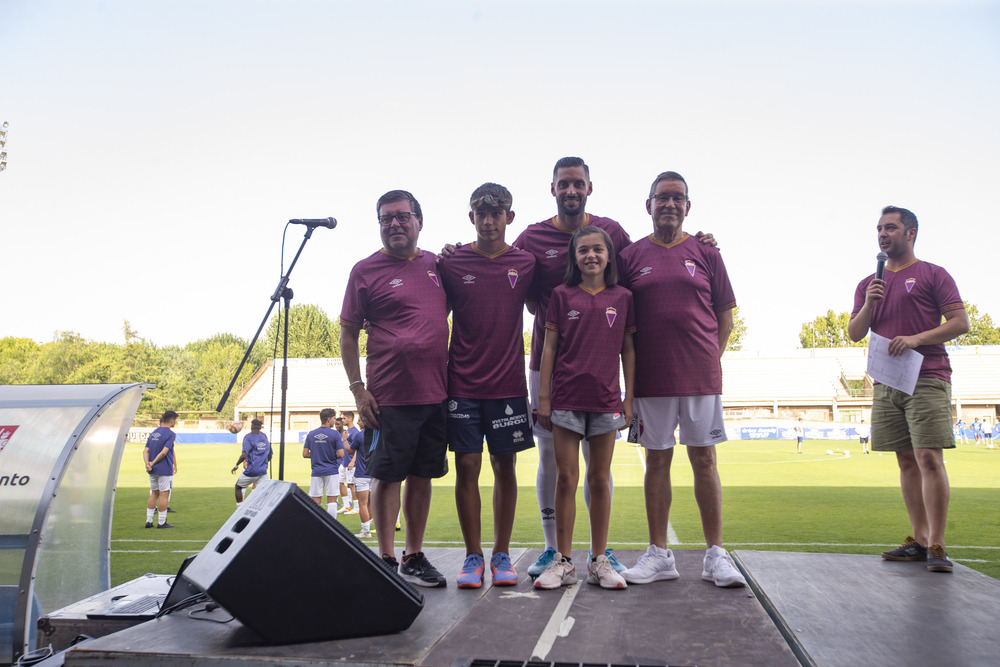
163	517
545	487
349	499
331	508
366	525
149	515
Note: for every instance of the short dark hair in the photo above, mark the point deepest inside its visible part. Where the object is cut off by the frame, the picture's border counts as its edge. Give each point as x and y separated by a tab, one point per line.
565	162
905	216
399	195
256	423
667	176
167	416
347	413
325	414
491	197
573	275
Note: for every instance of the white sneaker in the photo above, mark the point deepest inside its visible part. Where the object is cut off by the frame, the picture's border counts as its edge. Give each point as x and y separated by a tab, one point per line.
364	533
560	573
600	571
655	565
720	569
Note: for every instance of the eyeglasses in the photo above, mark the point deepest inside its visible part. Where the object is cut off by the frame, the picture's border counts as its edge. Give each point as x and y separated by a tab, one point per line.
665	199
403	218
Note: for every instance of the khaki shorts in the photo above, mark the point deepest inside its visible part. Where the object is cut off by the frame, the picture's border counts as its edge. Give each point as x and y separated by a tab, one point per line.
901	422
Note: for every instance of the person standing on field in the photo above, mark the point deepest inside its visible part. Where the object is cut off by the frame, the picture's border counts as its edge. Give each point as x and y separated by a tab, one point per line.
907	306
161	464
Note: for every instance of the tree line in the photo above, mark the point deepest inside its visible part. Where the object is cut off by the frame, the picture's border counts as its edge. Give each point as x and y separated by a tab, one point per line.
194	377
830	330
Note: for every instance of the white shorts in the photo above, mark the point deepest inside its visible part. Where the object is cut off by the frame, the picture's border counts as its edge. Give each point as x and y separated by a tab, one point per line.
346	475
700	419
362	484
244	481
160	482
328	483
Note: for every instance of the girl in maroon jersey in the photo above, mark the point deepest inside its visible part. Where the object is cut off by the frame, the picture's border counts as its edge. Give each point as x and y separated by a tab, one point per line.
589	326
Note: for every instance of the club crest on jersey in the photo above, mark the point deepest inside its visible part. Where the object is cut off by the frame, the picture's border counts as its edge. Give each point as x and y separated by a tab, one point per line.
512	277
910	282
612	313
690	266
395	282
433	276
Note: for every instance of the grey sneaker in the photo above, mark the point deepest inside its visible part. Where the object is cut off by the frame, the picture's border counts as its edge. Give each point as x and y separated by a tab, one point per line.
720	569
416	569
561	573
655	565
601	572
937	559
909	550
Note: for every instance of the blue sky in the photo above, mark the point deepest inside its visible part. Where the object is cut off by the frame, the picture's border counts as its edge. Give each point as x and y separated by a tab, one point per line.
156	149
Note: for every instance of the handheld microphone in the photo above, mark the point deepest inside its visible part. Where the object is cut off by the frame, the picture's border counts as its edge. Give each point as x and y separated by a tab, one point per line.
329	223
879	266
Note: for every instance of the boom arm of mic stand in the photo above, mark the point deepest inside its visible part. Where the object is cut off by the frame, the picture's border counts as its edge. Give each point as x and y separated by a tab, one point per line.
282	286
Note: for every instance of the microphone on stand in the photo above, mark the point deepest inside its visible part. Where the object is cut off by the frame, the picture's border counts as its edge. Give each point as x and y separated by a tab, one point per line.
329	223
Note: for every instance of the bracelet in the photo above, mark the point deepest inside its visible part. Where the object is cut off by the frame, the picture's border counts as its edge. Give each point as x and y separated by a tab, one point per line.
356	382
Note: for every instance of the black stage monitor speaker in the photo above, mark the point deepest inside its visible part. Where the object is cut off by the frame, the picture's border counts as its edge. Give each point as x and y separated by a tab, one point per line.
283	567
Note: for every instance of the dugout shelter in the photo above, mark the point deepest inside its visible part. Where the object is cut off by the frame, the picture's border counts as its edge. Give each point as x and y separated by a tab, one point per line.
60	450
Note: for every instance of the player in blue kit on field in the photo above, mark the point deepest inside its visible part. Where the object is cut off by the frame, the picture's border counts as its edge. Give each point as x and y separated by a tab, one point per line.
257	454
324	448
161	464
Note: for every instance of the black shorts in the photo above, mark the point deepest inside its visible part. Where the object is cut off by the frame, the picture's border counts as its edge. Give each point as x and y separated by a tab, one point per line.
410	440
503	422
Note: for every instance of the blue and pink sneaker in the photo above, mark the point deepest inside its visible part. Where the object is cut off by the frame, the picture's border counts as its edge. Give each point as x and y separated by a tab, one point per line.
502	570
471	575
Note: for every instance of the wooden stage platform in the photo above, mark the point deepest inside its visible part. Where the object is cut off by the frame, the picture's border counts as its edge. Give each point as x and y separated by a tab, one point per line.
801	608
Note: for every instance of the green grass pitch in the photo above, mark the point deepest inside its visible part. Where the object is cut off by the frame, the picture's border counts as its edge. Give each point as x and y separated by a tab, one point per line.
773	499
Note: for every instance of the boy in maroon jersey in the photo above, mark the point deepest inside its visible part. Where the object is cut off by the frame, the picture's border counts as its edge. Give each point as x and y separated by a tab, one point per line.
487	283
906	306
397	295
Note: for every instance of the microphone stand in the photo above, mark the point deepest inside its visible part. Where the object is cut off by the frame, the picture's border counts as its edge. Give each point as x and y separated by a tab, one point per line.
281	292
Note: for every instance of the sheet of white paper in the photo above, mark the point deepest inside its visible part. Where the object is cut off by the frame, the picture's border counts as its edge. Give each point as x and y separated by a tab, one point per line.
897	372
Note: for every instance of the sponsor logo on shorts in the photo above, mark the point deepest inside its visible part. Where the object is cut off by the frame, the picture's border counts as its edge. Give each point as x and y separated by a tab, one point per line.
518	436
715	433
510	420
573	314
452	406
434	278
512	277
612	313
910	282
396	282
690	266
